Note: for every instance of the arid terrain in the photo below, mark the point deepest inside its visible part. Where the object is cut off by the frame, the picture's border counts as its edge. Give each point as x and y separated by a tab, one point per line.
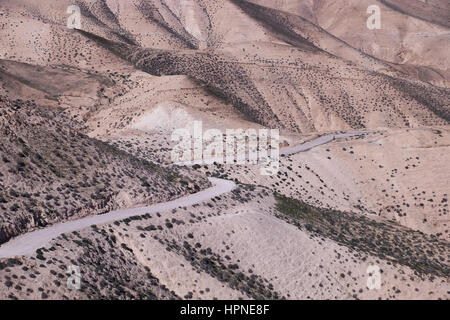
88	114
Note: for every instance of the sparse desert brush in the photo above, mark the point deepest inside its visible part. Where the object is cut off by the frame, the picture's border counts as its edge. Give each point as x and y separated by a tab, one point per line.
73	160
384	239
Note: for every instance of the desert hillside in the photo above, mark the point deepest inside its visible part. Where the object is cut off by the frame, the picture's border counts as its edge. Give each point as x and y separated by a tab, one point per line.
287	66
87	122
413	37
51	173
248	244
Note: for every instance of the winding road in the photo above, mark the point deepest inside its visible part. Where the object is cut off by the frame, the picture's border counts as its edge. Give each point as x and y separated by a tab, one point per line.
319	141
29	242
284	152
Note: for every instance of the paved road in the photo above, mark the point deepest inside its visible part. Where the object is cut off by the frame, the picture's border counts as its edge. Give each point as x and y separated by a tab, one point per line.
29	242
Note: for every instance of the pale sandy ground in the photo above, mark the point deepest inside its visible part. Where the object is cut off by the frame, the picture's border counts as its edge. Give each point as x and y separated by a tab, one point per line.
391	174
338	95
402	39
396	174
286	257
247	234
28	243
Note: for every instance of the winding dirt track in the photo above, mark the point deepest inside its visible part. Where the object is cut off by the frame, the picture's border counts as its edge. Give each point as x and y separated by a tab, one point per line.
319	141
29	242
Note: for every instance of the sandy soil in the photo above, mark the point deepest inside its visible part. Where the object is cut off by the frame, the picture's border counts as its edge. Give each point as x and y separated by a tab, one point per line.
138	70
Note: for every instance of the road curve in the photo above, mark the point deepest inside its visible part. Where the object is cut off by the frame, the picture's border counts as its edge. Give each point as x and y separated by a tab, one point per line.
29	242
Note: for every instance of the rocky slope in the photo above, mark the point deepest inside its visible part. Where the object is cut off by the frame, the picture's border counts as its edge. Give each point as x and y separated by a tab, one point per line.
247	244
98	105
413	37
51	173
290	73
